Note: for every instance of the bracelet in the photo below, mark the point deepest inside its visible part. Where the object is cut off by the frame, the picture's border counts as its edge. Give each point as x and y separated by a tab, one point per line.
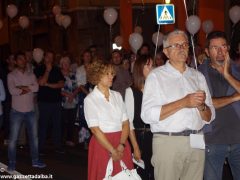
203	108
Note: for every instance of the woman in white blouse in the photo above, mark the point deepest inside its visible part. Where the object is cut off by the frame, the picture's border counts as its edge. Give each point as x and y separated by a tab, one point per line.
106	116
140	134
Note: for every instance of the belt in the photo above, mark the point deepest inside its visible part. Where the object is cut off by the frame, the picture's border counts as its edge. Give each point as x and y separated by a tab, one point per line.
183	133
142	129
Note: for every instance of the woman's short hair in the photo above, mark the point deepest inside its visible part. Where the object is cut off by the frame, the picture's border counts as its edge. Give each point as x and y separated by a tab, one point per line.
64	59
97	69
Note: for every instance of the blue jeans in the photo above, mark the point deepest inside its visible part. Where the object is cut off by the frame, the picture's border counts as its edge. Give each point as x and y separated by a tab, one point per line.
16	120
215	157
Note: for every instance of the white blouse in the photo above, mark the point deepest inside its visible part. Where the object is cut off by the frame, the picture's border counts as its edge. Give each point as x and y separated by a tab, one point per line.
107	115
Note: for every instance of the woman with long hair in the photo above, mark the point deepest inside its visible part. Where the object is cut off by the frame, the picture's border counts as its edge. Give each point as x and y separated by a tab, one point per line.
140	134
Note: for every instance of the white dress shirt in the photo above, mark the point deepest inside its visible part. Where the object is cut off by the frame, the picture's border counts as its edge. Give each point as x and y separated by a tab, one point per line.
166	84
107	115
129	101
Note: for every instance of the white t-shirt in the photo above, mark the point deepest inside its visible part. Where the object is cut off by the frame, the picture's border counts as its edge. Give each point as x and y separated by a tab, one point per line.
107	115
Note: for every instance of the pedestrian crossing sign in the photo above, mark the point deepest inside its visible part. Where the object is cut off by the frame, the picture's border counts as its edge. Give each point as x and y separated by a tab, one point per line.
165	14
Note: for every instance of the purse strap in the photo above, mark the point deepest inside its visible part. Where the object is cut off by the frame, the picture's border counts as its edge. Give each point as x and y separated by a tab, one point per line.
109	169
122	164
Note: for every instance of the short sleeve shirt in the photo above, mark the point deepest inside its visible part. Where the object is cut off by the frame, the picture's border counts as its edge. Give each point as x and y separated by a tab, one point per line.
107	115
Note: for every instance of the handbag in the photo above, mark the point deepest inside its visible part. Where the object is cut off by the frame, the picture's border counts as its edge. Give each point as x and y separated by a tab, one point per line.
125	174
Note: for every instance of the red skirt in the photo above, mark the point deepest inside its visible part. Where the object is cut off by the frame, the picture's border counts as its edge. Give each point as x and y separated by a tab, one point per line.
98	157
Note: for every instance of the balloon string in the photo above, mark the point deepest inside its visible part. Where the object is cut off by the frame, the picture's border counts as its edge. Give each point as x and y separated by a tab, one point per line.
233	30
137	20
143	6
194	55
156	45
140	13
194	5
193	46
185	6
110	36
195	60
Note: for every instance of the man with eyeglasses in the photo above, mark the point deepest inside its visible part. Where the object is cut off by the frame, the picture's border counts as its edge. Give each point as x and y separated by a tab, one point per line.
177	104
222	136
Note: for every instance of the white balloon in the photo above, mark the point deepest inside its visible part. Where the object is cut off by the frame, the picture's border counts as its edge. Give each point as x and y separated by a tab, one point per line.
193	24
66	21
207	26
58	19
56	10
160	38
12	10
23	21
138	29
110	15
38	55
234	14
1	24
135	41
118	40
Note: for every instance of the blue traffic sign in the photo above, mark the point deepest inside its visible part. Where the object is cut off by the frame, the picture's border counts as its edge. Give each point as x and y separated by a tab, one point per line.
165	14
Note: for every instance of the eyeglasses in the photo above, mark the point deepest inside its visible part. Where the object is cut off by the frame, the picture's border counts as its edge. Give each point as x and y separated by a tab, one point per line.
216	48
183	45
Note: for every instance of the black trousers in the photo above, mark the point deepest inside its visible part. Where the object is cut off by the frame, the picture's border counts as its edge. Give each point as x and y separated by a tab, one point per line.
144	139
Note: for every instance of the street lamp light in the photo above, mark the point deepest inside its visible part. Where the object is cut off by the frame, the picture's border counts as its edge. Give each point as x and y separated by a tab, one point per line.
167	1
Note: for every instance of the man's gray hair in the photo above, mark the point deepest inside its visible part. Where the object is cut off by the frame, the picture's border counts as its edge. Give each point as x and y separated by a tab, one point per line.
172	33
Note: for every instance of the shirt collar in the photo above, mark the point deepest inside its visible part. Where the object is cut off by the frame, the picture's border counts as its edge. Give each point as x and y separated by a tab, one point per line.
170	68
99	93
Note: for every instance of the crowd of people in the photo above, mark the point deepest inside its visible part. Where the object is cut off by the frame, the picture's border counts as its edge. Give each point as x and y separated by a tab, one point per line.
160	109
